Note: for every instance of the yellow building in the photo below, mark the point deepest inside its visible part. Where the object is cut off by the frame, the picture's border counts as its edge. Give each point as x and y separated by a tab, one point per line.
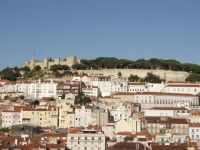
42	116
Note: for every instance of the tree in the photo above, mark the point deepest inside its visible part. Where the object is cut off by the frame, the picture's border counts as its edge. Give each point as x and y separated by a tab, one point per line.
134	78
10	74
21	97
119	74
37	68
55	68
6	97
26	69
82	99
193	78
152	78
5	130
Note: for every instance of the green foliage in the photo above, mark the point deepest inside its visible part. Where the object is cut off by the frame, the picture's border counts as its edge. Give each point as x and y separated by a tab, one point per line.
82	99
21	97
26	69
6	97
10	73
193	78
5	130
78	67
154	63
152	78
55	68
37	68
134	78
119	74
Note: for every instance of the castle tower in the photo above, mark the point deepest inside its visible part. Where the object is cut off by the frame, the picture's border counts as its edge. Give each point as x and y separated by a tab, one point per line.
71	60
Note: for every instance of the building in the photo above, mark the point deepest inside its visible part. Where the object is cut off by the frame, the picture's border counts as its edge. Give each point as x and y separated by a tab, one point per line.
10	118
91	91
42	89
83	116
166	125
159	99
187	88
128	125
90	138
194	131
137	87
25	130
69	88
43	116
47	63
195	117
103	83
119	85
99	117
175	112
66	119
120	111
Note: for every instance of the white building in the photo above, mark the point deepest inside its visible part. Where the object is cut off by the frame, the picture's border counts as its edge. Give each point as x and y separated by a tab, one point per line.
103	83
159	99
137	87
10	87
128	125
87	139
155	87
195	117
194	131
174	112
42	89
187	88
10	118
119	85
91	91
120	111
83	116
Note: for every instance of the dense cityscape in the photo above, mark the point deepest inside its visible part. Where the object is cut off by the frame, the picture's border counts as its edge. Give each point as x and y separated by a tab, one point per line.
94	111
99	75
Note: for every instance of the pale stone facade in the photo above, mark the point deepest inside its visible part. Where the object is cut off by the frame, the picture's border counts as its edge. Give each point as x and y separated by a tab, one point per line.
46	63
86	140
10	118
128	125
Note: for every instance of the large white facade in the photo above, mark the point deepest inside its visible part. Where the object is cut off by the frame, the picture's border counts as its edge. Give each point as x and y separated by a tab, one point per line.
104	84
120	111
174	112
119	85
83	116
137	87
158	99
86	140
193	89
42	89
194	131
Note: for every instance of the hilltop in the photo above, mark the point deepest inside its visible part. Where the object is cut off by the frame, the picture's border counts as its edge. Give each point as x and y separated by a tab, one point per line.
170	68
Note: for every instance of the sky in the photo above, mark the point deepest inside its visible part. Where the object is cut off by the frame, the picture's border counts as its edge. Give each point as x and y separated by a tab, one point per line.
131	29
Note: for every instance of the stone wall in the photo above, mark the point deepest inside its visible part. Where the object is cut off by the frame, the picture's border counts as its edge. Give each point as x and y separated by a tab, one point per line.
178	76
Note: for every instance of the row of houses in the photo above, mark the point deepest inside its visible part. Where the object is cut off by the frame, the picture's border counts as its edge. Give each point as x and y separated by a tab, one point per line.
94	86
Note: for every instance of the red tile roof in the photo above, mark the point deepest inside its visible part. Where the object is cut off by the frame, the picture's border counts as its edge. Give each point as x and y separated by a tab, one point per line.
169	108
194	125
164	94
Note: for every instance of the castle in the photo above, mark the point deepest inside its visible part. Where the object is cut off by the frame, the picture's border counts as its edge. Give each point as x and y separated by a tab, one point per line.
47	63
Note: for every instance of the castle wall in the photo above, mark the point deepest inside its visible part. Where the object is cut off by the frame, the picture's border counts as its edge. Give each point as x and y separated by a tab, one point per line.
178	76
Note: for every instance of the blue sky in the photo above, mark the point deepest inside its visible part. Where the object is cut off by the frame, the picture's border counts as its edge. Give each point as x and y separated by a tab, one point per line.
91	28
